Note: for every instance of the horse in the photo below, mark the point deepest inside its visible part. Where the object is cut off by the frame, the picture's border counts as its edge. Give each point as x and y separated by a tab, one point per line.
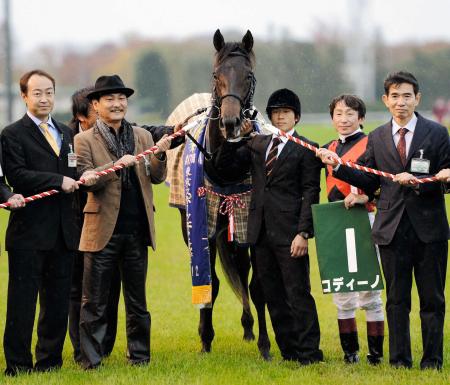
233	86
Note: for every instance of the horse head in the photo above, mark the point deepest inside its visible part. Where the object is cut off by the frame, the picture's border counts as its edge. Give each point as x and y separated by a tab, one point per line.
233	82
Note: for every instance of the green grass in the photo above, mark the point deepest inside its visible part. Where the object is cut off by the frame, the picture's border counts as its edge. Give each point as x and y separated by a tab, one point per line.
175	344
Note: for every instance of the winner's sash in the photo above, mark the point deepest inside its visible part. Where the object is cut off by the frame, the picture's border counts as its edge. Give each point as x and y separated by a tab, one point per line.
347	256
196	218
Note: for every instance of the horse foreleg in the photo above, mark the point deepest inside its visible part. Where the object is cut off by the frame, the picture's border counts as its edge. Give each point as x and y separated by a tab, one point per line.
205	326
257	295
243	267
183	225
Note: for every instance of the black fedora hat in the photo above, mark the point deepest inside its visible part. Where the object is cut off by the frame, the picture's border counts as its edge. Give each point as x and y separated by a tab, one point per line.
109	85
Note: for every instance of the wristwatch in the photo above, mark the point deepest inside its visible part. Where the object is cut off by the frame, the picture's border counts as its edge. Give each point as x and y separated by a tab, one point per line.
304	234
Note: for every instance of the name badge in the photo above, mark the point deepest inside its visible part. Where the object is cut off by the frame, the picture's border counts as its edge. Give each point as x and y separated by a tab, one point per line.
420	165
71	158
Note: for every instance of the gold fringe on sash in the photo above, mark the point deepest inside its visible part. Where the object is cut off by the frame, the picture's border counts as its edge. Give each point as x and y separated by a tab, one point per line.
201	295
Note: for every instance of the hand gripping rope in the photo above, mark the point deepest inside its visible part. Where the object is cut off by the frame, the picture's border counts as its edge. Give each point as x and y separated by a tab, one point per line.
278	132
109	170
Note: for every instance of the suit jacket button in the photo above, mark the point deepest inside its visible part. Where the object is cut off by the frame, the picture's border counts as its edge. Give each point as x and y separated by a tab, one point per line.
266	188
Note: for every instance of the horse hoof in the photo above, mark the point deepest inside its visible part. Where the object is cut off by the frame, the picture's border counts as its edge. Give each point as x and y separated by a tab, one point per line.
266	356
206	348
249	336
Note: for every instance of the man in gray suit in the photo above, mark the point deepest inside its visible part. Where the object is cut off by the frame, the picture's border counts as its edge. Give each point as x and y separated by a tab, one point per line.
411	226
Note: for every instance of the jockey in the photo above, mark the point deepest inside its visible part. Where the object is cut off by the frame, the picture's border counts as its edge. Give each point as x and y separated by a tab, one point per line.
347	113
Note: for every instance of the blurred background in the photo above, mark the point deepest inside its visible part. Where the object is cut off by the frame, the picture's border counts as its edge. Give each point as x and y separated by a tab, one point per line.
163	49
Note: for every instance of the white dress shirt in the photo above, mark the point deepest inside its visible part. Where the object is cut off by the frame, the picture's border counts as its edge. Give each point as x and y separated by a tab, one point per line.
282	143
51	128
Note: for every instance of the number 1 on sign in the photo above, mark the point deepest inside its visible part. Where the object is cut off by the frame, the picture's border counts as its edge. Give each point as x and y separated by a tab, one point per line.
351	250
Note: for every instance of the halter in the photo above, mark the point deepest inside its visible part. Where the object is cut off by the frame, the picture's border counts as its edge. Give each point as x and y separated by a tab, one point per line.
247	102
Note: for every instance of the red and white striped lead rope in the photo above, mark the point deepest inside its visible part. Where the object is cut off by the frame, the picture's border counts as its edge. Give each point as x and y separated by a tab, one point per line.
227	206
107	171
276	131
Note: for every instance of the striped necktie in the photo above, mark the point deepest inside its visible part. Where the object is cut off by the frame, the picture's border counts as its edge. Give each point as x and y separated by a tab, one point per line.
272	156
401	145
50	139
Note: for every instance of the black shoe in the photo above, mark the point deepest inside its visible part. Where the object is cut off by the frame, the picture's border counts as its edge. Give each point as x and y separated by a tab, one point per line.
352	358
430	365
46	368
350	346
375	344
401	365
16	370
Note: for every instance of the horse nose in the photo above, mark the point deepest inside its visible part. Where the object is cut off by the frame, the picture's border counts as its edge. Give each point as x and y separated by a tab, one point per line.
230	124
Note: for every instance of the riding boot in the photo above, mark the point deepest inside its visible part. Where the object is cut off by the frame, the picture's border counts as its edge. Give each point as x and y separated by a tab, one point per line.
375	338
348	334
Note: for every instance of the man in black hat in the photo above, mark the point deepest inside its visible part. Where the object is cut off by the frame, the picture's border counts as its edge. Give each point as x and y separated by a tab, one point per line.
286	182
118	220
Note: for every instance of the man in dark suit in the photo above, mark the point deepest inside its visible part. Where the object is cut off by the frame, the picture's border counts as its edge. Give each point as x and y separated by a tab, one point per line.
286	182
15	200
41	239
411	225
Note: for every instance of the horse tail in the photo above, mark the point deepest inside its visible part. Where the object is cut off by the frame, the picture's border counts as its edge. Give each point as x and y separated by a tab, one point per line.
235	263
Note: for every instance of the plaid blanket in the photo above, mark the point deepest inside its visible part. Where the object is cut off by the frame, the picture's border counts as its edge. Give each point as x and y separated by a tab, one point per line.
175	157
213	203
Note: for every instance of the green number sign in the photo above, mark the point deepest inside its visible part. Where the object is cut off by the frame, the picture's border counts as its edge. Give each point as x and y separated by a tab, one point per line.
347	256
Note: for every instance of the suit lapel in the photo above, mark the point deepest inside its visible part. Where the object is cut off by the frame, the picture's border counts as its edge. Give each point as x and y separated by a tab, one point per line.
388	141
36	133
420	132
261	149
287	149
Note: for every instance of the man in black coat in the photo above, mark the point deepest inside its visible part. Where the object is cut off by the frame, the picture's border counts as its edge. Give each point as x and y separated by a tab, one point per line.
286	182
411	226
41	238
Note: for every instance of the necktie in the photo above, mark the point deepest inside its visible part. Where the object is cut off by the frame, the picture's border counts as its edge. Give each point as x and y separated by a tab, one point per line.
272	156
50	139
401	145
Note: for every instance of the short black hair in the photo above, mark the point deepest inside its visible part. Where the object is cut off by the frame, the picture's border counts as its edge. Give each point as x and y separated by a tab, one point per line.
352	101
80	104
398	78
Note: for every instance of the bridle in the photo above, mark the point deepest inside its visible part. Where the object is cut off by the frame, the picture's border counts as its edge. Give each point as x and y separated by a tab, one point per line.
246	103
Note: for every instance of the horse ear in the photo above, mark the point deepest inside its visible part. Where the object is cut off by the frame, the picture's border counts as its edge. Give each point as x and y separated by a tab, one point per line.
218	41
247	41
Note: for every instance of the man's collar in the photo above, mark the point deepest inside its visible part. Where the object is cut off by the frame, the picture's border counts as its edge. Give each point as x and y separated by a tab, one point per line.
283	138
344	138
410	126
38	121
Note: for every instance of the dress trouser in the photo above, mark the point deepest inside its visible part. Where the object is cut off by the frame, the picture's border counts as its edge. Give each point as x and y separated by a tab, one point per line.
75	306
406	255
47	272
287	290
129	252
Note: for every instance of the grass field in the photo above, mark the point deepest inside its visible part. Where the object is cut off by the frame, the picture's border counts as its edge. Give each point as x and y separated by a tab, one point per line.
175	344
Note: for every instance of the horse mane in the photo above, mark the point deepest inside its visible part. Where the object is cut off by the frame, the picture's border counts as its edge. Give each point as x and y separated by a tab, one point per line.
234	48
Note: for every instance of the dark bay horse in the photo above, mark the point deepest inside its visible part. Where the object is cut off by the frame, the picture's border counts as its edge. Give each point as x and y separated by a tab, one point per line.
232	102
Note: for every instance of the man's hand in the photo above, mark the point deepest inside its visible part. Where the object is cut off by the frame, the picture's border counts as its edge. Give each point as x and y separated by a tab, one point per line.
163	144
177	127
299	247
327	157
69	185
355	199
246	127
16	201
444	175
405	179
127	160
89	177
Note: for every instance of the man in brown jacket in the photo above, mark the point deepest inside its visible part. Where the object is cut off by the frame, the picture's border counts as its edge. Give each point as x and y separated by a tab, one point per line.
118	220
